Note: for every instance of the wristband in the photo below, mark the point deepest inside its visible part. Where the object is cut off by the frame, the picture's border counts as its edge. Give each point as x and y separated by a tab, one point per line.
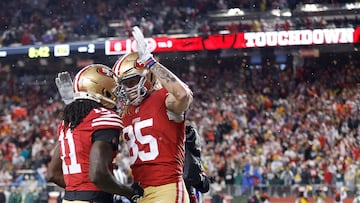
150	62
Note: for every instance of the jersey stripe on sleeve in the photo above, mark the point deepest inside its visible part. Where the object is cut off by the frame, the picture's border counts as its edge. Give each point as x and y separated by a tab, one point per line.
108	120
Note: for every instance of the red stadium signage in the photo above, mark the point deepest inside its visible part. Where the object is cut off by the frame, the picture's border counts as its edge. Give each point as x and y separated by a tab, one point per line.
304	38
239	40
113	47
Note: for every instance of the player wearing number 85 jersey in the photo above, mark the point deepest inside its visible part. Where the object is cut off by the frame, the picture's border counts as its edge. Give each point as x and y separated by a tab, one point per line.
155	101
88	140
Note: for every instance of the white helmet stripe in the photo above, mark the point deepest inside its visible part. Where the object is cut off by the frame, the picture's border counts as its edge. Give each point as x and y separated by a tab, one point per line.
116	69
76	80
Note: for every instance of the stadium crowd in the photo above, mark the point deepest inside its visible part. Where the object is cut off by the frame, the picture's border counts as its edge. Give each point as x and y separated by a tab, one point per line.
259	126
267	126
46	21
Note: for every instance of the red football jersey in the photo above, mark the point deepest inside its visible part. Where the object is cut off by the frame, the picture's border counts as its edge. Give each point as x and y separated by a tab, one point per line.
75	146
155	143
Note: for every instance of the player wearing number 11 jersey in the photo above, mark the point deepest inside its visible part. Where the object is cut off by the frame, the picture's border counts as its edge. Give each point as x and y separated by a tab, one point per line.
154	124
88	140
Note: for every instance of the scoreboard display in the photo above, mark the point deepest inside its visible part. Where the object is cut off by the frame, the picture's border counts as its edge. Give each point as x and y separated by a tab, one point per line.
41	52
240	40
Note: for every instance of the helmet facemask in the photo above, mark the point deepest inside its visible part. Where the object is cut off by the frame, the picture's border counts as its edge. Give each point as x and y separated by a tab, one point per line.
132	88
134	82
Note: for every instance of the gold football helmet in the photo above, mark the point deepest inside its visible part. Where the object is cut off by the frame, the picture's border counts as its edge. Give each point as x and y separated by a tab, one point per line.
135	81
96	82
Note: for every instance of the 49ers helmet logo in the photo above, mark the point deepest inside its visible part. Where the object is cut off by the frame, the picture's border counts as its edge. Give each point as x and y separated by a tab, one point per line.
139	65
105	71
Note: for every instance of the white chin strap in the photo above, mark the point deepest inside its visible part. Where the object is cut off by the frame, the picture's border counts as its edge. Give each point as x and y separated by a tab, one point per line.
92	96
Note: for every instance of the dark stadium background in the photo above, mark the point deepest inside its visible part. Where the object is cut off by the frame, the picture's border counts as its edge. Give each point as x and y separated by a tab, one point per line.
223	79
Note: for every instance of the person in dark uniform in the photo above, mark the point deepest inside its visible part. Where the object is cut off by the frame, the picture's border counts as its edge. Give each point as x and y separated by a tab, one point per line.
194	175
2	195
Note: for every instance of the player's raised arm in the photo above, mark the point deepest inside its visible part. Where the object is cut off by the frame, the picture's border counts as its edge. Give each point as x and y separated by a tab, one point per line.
180	96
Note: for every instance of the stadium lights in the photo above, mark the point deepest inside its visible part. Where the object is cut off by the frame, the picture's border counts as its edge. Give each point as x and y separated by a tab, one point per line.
20	63
68	60
286	14
223	32
275	12
283	12
3	53
313	8
235	12
43	62
115	23
351	6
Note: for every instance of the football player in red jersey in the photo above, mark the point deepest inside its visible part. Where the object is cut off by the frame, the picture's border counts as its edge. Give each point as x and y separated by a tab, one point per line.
88	140
154	123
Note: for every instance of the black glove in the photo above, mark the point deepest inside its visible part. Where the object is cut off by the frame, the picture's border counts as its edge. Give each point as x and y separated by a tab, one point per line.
212	179
138	192
204	185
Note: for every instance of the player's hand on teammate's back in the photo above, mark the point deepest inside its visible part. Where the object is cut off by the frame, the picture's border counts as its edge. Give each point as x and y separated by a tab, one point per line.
64	84
145	59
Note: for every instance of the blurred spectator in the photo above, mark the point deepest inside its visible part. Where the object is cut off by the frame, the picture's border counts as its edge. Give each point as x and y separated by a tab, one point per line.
233	27
216	198
29	22
301	198
2	195
357	197
264	198
256	198
216	189
287	178
43	195
320	195
18	160
31	197
337	198
15	195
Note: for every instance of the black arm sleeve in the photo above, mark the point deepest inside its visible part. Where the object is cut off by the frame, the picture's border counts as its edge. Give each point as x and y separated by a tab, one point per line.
204	185
193	171
107	135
